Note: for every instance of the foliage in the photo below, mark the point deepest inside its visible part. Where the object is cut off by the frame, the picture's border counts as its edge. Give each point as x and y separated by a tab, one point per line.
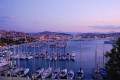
113	64
10	41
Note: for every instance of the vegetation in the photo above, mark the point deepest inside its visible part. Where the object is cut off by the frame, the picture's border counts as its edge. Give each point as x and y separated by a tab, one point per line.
10	41
113	64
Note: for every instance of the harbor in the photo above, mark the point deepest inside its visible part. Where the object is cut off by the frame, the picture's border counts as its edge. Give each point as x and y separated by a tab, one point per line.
56	60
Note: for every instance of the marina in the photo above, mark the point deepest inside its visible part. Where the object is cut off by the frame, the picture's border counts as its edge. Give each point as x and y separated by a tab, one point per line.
45	62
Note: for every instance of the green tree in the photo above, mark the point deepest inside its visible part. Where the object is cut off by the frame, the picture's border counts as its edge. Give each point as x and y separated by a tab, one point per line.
113	64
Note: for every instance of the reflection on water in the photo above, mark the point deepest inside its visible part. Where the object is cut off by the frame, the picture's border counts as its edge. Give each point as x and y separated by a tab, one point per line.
87	52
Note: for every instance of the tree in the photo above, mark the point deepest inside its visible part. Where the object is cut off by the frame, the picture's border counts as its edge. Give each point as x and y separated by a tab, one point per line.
113	64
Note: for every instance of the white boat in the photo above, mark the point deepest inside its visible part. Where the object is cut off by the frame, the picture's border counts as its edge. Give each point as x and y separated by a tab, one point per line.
73	55
79	74
47	73
28	56
55	73
16	71
38	73
47	56
3	65
63	73
63	57
25	72
53	56
95	71
70	75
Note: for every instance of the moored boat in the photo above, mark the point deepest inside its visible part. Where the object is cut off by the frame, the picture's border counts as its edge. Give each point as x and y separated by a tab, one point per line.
47	73
63	73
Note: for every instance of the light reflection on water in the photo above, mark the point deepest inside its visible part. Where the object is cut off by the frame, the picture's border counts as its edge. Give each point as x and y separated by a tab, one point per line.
88	56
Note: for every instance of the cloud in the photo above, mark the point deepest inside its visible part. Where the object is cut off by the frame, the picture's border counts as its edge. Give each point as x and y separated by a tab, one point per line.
6	19
108	27
1	5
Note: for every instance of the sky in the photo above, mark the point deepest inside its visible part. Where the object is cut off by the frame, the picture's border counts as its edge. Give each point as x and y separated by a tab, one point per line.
60	15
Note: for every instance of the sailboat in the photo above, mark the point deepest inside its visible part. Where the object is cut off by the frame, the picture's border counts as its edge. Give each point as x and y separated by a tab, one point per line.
70	74
63	72
39	71
56	71
80	72
26	70
95	71
102	70
33	75
48	71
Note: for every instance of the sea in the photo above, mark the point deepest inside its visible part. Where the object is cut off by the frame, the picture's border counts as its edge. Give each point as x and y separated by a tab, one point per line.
85	56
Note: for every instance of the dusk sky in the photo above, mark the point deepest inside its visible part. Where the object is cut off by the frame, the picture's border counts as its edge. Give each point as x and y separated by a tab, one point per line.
60	15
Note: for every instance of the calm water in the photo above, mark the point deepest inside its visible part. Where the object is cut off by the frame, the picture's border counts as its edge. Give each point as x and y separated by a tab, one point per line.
87	52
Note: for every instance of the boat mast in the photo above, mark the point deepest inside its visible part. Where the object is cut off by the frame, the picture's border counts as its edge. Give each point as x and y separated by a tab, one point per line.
26	56
48	52
80	55
96	64
69	58
58	61
103	55
39	55
56	54
34	61
64	55
19	60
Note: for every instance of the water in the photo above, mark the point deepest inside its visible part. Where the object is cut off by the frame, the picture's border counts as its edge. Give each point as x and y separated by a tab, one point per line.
87	52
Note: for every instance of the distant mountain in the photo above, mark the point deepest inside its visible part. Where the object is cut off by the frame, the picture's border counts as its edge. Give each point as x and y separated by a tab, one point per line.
51	33
111	32
72	33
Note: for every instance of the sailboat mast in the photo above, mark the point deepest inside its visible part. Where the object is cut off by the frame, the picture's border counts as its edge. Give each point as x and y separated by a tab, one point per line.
26	56
39	54
49	51
96	65
58	61
34	61
19	60
103	55
80	54
69	58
